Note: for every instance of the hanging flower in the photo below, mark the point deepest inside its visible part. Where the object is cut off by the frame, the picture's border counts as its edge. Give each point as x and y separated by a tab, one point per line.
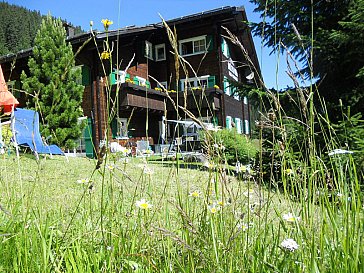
289	244
106	23
143	204
105	55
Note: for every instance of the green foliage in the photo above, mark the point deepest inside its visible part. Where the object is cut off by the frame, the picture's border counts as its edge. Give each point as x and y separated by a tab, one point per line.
18	27
350	135
333	32
52	84
238	147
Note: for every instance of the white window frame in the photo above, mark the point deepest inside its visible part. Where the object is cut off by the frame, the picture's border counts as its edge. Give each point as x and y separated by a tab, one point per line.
120	75
233	72
195	81
194	39
156	52
122	128
164	84
142	81
148	53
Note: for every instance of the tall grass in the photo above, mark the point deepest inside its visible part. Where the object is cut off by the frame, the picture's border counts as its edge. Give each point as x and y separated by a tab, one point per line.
296	212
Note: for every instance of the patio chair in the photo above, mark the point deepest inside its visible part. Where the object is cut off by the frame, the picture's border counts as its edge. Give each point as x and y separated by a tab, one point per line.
25	127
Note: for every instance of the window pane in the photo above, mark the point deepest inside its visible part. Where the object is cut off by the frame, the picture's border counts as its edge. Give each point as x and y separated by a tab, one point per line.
187	48
160	53
199	46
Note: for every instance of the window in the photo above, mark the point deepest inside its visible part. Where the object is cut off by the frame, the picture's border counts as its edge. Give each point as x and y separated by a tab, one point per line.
121	128
233	72
160	52
164	84
192	83
192	46
148	50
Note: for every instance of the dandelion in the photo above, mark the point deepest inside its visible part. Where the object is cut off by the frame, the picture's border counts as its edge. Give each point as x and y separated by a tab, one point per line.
195	194
105	55
106	23
289	217
143	204
83	181
289	244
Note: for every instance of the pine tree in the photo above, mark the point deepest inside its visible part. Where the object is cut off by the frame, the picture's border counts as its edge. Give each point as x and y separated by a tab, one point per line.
52	84
333	30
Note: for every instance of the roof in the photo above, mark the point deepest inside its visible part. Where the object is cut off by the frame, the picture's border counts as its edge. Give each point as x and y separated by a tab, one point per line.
129	30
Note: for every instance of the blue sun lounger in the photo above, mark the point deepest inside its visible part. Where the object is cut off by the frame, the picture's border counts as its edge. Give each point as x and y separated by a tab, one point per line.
25	125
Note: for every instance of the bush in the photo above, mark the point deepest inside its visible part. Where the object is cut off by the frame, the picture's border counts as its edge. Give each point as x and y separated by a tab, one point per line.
235	147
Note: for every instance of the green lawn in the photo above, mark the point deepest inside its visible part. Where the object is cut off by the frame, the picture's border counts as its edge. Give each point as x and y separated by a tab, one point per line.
62	215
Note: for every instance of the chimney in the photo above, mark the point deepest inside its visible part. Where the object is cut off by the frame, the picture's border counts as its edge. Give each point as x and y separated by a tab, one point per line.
70	30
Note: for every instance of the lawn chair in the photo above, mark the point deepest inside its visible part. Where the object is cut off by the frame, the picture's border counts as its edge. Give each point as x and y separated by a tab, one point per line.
25	127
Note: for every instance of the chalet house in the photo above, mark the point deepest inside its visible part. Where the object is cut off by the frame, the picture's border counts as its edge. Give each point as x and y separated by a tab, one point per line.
142	56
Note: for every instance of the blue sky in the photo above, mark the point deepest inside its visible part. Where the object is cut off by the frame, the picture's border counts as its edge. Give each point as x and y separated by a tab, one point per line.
142	12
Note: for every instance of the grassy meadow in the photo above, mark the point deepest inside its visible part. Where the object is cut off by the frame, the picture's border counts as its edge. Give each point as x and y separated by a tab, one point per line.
62	215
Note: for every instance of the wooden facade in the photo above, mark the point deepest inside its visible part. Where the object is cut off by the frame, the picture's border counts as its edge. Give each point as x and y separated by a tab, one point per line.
142	104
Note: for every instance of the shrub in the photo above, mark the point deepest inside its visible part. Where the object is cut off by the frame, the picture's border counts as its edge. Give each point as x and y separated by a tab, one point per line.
236	147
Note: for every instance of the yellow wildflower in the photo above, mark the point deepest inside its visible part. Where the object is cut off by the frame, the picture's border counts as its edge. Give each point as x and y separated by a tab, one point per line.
105	55
106	23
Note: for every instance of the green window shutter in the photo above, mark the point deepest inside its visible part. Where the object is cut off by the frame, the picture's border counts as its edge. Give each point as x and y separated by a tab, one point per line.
86	77
112	78
211	82
228	122
238	125
209	43
114	128
136	81
226	85
87	133
215	121
223	45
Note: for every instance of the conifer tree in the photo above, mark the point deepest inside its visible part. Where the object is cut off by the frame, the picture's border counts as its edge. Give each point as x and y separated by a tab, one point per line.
53	84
